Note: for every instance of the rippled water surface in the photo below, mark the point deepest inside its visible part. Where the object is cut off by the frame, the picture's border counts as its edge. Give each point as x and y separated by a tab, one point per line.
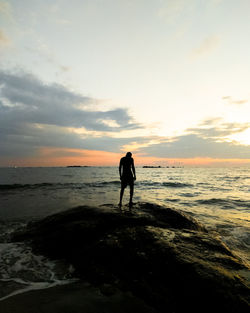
217	197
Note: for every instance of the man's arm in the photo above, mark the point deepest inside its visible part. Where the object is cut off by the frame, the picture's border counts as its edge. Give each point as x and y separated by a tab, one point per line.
120	169
133	169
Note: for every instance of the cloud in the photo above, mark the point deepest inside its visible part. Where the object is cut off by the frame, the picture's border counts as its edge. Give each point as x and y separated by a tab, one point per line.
232	101
207	140
172	9
33	114
192	146
4	40
211	121
25	99
207	46
26	140
5	8
41	49
6	12
215	130
65	68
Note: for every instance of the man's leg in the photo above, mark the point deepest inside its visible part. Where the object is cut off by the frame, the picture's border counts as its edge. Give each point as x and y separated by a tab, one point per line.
121	194
131	193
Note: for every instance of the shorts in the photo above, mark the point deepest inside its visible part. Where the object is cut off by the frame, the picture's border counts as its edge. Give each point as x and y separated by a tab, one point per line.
127	180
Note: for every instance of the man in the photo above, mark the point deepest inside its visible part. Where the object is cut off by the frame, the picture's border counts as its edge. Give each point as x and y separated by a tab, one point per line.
127	176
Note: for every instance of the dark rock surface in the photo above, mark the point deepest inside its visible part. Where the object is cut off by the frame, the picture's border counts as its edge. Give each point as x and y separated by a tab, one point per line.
77	297
160	256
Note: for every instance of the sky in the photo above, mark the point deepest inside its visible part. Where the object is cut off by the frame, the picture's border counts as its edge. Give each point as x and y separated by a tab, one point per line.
84	81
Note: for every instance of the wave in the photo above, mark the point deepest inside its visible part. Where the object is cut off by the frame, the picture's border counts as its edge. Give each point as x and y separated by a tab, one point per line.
189	194
24	186
21	270
212	201
225	202
89	184
113	182
57	185
242	203
233	178
176	185
164	184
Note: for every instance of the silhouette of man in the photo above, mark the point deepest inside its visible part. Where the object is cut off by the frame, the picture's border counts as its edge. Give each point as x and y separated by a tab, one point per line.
127	176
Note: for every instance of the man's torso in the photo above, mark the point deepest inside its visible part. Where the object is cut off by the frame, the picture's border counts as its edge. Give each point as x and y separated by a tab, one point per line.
126	167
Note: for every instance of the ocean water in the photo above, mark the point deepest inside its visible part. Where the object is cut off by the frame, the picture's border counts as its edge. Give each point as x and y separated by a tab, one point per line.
219	198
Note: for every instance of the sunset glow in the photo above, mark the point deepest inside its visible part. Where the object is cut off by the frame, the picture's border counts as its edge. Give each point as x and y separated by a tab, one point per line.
75	157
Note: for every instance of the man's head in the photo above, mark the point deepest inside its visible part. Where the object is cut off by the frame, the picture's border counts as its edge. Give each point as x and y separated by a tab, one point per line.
128	155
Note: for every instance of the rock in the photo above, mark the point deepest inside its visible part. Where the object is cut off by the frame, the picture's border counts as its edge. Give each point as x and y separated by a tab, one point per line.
158	254
78	297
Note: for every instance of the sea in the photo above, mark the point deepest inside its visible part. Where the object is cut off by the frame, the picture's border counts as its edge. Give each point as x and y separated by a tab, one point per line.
218	198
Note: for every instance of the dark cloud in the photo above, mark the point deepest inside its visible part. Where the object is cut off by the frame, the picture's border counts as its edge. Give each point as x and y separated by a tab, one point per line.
33	115
25	99
27	141
190	146
208	140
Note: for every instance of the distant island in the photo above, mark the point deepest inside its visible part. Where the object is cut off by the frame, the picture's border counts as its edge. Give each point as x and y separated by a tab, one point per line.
151	166
78	166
